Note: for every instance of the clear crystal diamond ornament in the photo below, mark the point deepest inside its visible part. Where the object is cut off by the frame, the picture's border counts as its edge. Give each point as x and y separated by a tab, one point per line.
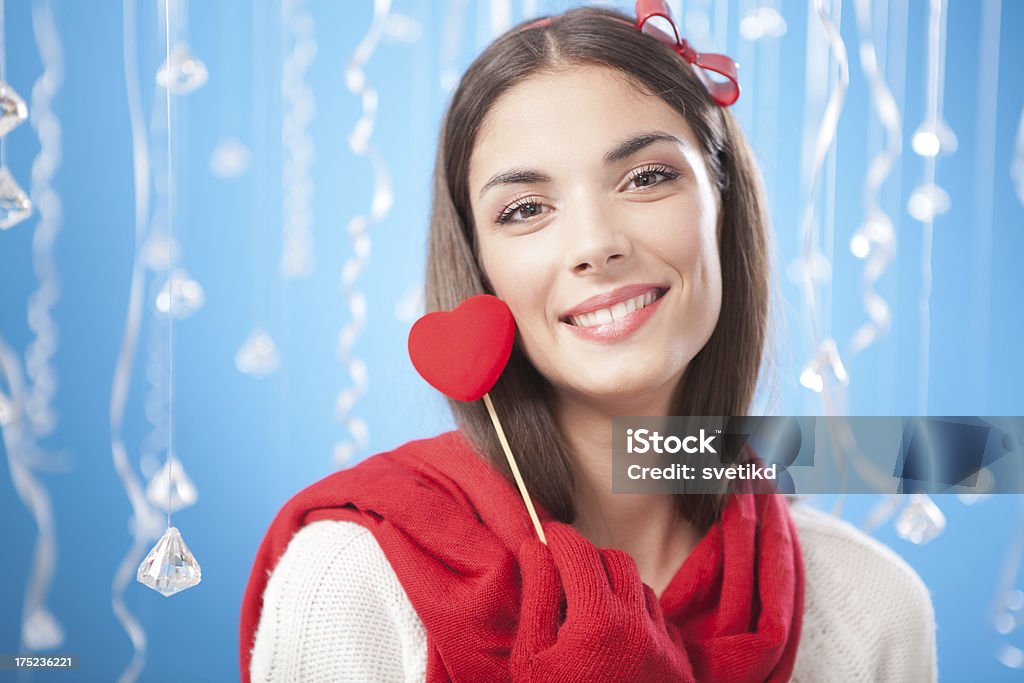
927	201
181	295
230	159
826	366
12	109
15	205
182	72
170	489
169	567
258	355
921	520
933	138
42	631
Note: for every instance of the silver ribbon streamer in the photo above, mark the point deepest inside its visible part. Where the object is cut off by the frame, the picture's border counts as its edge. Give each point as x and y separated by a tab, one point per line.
359	142
825	138
451	41
39	629
299	109
142	513
824	372
1007	613
42	378
27	414
875	239
984	181
933	107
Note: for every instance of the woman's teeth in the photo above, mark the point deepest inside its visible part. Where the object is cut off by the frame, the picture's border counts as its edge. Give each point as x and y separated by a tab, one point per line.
616	312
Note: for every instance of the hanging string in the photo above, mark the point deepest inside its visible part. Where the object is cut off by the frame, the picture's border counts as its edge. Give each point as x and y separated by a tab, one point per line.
825	355
141	512
3	75
170	282
358	231
875	239
984	182
936	73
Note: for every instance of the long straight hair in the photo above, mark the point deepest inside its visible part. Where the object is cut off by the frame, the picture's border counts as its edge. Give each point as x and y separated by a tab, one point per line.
722	377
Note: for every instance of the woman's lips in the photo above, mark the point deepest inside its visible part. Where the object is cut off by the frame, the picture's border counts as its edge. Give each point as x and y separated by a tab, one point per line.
617	329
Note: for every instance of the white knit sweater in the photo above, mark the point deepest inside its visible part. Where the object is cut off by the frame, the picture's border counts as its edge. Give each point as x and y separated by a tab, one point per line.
333	610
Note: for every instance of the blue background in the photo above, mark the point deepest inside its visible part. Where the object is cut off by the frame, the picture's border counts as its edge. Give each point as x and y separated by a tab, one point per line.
250	444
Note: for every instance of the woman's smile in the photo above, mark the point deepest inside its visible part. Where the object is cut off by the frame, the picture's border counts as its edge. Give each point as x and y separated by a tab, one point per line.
616	321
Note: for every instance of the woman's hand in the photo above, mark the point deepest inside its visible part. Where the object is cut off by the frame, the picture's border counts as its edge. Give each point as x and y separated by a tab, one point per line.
587	616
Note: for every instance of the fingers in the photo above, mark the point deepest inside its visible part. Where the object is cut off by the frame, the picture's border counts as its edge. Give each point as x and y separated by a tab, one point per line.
541	597
654	608
584	577
625	580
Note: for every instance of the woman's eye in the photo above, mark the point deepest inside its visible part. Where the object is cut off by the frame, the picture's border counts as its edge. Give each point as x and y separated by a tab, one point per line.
647	177
525	209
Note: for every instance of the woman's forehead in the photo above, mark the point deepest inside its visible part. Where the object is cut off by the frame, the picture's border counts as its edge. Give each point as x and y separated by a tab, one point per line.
576	113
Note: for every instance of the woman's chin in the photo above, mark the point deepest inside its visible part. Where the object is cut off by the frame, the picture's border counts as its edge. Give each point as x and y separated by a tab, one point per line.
631	386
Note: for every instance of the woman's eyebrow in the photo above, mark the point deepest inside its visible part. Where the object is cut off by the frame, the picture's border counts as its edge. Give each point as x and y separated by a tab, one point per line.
520	177
623	150
634	144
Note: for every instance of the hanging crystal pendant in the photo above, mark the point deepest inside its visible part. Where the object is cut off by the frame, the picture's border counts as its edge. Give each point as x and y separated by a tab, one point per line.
983	484
927	201
15	205
825	366
169	567
1011	613
933	138
182	72
921	520
12	109
170	489
229	159
258	355
41	631
180	295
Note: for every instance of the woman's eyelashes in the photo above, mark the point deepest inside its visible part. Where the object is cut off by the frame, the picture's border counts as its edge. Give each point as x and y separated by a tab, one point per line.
530	207
642	176
526	205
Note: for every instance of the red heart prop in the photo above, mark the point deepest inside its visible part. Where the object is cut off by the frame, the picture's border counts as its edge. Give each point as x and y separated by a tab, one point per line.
462	353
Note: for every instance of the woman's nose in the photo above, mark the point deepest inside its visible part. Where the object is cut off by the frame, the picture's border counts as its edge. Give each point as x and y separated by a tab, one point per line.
595	239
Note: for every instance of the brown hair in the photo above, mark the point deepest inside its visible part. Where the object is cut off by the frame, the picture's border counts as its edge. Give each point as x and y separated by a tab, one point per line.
722	377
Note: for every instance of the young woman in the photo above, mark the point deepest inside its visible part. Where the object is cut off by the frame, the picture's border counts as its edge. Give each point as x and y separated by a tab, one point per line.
592	178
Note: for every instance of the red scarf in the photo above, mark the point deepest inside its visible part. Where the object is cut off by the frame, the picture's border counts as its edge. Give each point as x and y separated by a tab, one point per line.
497	605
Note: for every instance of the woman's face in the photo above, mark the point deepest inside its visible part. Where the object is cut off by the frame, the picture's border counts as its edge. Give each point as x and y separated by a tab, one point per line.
581	185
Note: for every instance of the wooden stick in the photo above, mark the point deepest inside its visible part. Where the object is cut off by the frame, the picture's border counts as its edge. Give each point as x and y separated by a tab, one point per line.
515	469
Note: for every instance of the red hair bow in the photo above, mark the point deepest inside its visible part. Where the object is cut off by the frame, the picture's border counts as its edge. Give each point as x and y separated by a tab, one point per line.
724	92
